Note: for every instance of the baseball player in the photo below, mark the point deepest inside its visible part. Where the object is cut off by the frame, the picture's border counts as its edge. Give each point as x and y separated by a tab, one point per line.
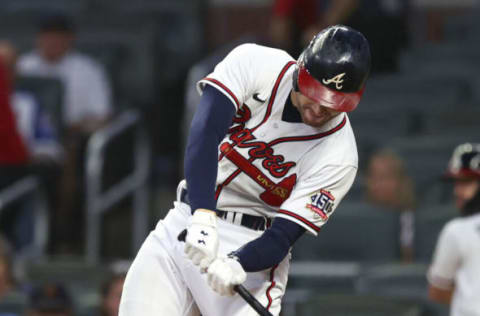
454	275
270	155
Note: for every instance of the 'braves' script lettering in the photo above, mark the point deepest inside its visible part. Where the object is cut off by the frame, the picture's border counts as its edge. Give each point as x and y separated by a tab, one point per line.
243	115
260	150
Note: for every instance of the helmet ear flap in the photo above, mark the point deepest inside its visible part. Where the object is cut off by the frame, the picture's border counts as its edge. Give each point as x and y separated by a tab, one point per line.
295	80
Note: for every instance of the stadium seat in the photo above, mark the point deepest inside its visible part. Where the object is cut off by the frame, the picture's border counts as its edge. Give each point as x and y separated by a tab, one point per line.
357	305
427	156
322	277
124	45
36	8
462	123
429	221
356	231
393	279
13	304
463	29
81	279
400	281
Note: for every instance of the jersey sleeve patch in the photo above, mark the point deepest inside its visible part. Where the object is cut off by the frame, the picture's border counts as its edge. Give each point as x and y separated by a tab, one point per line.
316	210
321	204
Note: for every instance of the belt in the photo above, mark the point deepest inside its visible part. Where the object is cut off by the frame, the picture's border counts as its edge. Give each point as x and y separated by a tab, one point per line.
246	220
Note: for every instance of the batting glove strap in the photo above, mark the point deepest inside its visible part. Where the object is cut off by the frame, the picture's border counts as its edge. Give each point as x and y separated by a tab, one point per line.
224	274
205	217
201	243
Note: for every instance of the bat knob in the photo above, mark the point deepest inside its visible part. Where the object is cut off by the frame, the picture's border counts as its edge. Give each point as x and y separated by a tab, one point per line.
182	235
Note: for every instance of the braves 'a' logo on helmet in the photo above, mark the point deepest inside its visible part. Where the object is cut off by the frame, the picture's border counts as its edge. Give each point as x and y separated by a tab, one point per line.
338	80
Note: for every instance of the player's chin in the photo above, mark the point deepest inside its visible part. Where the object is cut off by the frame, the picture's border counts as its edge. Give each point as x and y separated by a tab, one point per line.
314	120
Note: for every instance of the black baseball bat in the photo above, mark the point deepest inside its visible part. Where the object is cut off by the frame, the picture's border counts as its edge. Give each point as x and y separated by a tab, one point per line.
251	300
240	289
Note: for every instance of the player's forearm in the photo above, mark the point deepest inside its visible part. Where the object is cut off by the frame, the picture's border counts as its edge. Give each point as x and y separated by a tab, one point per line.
209	126
201	168
271	248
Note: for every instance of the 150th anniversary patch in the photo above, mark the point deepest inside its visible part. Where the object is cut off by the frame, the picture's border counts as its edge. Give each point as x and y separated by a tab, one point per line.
321	203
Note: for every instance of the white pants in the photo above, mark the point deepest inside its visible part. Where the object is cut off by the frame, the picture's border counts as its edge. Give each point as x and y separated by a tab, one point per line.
162	281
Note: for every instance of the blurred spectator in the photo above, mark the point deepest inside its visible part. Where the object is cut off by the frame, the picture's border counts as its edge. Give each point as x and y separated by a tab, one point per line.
87	107
389	186
7	280
454	275
385	25
383	22
44	152
50	300
33	122
87	90
12	150
436	13
295	22
13	160
111	292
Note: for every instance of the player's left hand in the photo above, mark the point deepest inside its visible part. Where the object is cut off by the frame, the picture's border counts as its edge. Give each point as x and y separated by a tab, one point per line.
224	274
201	243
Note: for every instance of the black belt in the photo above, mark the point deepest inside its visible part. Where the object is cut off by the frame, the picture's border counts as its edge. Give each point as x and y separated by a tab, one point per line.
246	220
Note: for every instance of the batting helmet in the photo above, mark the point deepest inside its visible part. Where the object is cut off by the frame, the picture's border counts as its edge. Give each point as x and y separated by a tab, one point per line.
465	162
332	70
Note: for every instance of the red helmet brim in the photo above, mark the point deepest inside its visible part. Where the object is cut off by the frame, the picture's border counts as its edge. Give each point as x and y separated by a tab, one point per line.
337	100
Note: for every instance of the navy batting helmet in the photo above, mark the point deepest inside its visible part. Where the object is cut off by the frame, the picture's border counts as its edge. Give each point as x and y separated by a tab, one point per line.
465	162
332	70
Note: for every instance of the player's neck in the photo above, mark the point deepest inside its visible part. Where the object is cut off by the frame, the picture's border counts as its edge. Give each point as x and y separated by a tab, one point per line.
290	112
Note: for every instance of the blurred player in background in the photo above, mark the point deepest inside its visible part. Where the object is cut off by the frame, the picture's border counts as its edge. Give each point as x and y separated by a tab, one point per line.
454	275
270	155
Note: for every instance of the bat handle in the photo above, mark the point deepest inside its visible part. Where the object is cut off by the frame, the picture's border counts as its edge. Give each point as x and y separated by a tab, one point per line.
240	289
251	300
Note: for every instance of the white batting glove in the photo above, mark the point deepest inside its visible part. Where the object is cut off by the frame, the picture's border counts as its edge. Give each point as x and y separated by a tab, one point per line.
224	274
201	243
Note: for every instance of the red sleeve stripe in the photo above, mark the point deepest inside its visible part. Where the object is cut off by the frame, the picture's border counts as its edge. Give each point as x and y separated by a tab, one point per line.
221	85
303	220
272	285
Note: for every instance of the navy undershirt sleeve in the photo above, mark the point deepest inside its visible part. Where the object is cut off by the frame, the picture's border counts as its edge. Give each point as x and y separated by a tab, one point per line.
209	126
270	248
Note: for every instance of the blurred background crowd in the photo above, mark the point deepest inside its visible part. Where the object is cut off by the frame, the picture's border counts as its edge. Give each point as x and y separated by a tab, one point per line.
96	97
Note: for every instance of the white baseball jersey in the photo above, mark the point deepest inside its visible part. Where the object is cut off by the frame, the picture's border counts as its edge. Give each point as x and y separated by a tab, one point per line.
267	167
271	167
456	263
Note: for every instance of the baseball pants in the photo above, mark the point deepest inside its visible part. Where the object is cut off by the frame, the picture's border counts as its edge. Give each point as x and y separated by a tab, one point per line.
163	281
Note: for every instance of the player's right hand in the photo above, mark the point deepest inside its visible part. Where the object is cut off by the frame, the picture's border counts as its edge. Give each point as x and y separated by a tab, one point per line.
224	274
201	243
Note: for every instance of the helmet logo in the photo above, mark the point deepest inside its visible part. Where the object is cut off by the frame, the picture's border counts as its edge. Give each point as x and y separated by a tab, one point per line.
338	80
